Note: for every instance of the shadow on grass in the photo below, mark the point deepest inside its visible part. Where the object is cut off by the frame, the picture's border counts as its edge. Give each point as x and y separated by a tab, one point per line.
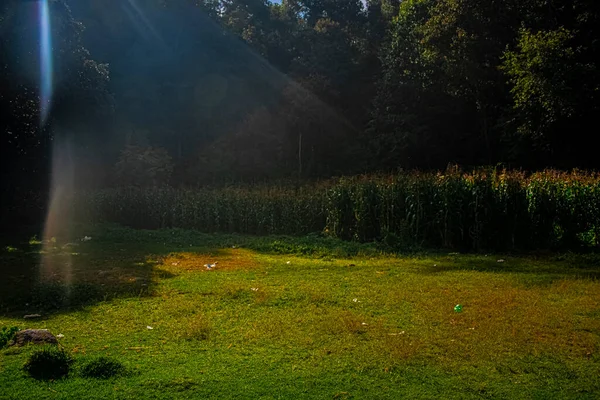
559	266
79	275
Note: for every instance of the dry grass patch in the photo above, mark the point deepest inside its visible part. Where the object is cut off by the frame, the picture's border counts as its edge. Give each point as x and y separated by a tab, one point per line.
345	322
227	260
400	346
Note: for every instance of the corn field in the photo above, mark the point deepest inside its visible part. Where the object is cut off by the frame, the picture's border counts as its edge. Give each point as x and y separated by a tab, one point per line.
484	209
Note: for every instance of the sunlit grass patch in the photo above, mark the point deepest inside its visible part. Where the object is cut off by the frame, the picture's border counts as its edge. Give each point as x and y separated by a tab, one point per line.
227	259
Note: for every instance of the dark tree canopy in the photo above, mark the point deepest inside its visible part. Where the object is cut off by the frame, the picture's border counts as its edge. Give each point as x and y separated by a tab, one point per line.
251	89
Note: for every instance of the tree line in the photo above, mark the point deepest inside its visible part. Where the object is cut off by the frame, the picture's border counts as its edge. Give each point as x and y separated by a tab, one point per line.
205	91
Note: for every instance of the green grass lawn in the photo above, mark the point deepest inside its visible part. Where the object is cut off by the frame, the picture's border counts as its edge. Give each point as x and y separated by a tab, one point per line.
301	318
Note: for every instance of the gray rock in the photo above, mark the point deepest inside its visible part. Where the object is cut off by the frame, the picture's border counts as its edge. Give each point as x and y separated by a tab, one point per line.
35	336
30	316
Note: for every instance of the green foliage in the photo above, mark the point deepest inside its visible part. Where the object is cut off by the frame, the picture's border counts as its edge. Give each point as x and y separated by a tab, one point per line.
491	209
485	209
551	75
258	211
7	334
543	72
460	78
102	368
49	362
537	70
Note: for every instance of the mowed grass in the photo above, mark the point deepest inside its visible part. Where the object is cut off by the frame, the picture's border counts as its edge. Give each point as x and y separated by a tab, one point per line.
301	318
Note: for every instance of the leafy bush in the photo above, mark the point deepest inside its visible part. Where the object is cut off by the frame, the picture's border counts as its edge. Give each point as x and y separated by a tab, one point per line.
49	362
7	334
103	368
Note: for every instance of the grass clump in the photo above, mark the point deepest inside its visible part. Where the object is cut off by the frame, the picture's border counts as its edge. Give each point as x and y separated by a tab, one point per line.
7	334
49	362
102	368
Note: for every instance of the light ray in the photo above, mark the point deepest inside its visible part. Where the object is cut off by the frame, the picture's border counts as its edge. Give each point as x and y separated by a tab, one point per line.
147	26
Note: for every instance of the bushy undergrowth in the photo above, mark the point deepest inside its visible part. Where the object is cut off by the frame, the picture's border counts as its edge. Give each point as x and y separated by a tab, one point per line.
49	362
102	368
485	209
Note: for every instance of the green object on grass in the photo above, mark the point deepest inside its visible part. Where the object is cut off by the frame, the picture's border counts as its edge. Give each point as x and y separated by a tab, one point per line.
458	308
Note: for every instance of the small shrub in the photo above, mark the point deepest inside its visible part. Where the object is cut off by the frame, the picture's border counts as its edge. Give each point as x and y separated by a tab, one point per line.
49	362
102	368
7	334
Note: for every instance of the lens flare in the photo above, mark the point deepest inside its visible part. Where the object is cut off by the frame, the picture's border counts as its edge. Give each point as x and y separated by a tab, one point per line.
46	71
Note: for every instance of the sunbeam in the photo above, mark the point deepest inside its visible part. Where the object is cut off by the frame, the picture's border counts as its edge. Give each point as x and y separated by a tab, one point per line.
56	260
146	25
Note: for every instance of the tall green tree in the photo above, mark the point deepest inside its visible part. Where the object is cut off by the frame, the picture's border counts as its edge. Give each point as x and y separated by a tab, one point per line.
555	82
442	95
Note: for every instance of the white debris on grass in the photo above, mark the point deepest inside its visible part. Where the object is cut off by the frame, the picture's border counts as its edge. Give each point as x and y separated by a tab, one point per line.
149	327
86	238
210	266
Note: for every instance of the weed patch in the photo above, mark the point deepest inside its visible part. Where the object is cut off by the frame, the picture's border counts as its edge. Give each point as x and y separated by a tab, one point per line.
7	334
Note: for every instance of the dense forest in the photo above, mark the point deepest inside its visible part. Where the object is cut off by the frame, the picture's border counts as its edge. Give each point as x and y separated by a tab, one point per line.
202	92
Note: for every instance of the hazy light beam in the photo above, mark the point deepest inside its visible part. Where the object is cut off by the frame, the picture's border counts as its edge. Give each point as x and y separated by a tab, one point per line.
148	27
